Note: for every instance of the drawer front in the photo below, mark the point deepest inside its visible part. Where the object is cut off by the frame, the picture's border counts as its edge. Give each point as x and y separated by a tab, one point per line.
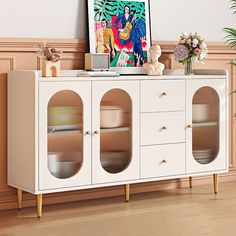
162	95
162	160
161	128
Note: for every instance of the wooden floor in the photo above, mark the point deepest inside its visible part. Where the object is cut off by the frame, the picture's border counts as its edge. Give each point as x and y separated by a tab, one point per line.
174	212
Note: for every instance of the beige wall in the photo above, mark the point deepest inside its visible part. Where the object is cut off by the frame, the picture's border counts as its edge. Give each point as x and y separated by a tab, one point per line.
19	54
68	18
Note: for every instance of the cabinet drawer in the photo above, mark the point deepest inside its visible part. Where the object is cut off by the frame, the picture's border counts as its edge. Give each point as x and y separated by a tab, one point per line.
162	160
162	95
163	127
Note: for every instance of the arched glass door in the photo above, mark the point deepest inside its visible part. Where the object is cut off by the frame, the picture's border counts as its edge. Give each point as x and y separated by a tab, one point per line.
206	122
205	119
65	129
115	126
116	131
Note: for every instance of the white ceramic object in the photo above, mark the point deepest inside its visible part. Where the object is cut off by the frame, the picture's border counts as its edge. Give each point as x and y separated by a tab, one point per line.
67	168
203	150
53	158
111	117
200	112
64	165
64	115
114	158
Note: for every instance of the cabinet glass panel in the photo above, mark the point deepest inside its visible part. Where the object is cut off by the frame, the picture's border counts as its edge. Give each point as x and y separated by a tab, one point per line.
65	140
115	131
205	135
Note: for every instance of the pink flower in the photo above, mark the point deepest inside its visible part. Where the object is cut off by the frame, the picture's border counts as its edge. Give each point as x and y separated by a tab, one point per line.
197	51
181	52
203	45
191	34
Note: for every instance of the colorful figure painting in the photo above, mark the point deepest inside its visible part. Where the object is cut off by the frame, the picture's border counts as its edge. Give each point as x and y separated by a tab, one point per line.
122	29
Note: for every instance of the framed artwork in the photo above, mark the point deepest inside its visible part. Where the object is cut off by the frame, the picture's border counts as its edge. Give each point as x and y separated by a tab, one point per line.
122	29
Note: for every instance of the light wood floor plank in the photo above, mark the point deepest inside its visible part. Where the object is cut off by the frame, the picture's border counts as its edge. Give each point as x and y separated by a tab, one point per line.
180	212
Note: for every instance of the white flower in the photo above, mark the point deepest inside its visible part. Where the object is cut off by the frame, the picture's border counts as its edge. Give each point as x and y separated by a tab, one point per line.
202	56
184	35
195	42
194	58
203	45
189	41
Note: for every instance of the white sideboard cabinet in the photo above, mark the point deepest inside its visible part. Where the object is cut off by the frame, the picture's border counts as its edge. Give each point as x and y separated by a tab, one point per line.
70	133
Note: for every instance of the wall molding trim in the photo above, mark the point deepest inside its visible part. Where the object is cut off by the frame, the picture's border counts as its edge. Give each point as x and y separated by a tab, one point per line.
79	45
28	45
19	53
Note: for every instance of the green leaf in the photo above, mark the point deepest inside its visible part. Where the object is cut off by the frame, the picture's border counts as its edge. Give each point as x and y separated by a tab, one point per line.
233	63
231	36
233	7
232	92
105	9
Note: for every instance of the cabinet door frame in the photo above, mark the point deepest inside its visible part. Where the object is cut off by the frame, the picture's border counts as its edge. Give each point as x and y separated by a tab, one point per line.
221	161
132	172
83	177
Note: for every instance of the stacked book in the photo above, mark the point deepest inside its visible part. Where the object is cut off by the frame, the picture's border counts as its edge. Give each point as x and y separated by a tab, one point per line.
98	74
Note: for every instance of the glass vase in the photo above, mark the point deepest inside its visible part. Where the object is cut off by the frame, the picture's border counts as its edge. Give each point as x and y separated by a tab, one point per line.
189	67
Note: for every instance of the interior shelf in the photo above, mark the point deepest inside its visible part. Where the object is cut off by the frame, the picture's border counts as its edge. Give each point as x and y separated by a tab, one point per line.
120	129
79	131
205	124
64	132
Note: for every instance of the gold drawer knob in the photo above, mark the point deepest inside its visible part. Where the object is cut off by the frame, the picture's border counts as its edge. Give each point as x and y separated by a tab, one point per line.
164	94
164	161
190	126
164	127
88	133
96	132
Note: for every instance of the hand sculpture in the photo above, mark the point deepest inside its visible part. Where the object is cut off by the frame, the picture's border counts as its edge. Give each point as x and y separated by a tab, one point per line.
154	67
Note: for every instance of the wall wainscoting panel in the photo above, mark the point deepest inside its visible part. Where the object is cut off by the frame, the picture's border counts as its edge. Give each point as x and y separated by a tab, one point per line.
20	54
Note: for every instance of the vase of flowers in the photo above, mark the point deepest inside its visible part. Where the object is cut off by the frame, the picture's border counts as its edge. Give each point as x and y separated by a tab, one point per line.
189	67
50	59
190	49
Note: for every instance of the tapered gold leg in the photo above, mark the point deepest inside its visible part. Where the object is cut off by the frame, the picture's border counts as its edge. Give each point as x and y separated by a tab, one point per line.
127	191
215	177
19	198
190	182
39	205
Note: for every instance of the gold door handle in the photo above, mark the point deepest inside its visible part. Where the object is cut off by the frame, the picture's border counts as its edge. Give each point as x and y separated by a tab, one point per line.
88	133
164	161
190	126
164	127
96	132
164	94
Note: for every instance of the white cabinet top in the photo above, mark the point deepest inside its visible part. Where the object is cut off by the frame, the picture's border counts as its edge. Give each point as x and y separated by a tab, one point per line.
73	75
